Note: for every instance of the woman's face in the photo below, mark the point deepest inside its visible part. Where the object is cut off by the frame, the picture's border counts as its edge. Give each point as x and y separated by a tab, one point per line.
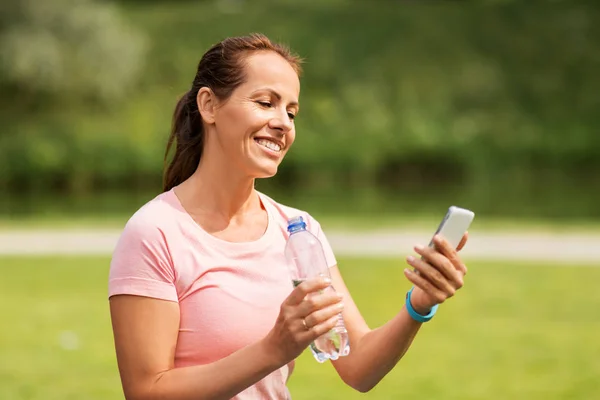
255	126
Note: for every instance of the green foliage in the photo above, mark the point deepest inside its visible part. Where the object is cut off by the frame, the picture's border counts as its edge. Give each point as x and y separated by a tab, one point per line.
492	106
69	47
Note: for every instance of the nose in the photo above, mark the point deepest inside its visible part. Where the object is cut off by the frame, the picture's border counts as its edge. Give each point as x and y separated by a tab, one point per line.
281	122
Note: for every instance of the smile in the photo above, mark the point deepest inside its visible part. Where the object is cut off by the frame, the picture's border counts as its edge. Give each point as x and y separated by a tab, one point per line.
269	144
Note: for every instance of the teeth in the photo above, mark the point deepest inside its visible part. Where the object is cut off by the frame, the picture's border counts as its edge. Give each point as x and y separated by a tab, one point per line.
269	145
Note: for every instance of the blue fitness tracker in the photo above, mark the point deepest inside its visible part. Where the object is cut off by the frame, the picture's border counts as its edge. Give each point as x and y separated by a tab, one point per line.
415	315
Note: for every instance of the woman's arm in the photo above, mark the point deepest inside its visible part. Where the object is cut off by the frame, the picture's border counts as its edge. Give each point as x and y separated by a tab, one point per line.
145	331
373	353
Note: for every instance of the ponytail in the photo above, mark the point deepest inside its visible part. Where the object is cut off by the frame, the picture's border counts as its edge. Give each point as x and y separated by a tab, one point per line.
188	135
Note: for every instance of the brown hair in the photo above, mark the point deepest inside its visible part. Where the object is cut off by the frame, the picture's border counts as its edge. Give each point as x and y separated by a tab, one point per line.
222	70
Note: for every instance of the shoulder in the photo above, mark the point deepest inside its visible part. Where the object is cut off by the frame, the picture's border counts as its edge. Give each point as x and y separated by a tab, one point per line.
153	220
141	262
145	242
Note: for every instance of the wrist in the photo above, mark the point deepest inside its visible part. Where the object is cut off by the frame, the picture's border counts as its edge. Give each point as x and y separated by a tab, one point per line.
273	356
418	303
420	315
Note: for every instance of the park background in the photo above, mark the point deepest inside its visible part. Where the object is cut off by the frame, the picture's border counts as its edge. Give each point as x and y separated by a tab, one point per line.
407	107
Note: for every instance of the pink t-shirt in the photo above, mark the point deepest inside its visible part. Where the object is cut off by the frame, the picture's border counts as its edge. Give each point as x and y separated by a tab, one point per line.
229	294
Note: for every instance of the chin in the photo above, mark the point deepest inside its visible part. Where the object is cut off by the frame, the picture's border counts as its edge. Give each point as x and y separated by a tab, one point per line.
264	171
262	167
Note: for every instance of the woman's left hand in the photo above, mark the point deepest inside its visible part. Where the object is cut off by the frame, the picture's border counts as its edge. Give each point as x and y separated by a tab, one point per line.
440	274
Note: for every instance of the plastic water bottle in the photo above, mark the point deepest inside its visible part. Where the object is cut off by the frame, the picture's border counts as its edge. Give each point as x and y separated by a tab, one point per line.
306	258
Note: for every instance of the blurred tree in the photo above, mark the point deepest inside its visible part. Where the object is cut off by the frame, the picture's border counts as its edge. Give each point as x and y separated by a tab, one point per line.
78	48
493	107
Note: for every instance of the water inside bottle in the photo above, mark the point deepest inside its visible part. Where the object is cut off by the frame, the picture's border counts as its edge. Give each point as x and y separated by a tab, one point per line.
333	344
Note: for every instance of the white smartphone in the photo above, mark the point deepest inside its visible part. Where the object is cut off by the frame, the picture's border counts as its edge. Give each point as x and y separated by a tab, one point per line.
454	225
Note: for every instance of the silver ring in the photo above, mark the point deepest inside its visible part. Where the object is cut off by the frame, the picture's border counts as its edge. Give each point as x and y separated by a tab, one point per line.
304	323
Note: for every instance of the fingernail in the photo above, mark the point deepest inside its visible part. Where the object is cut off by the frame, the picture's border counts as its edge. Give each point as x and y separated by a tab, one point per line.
418	247
410	259
408	271
340	305
327	280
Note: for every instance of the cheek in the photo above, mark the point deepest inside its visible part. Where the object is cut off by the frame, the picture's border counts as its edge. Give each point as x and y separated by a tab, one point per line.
238	121
291	137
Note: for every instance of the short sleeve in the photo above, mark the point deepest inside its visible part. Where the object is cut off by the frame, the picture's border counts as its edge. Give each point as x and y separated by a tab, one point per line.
314	226
141	264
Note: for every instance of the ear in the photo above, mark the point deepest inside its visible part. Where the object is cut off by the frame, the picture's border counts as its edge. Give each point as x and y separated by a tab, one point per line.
207	103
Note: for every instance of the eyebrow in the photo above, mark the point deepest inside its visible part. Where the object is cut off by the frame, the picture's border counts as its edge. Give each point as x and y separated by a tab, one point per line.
277	95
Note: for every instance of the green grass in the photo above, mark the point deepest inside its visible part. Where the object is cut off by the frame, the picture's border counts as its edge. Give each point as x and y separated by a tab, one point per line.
518	331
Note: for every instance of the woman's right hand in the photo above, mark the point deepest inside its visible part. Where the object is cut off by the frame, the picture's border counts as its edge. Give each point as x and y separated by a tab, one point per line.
305	315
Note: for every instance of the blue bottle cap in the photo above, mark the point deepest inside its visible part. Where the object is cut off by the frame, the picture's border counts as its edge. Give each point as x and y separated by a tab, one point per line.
296	224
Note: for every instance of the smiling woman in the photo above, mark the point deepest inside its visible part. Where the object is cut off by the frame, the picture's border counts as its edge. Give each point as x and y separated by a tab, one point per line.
252	87
201	301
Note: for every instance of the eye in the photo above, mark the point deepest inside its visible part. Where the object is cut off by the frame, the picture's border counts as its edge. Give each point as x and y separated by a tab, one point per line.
265	104
291	116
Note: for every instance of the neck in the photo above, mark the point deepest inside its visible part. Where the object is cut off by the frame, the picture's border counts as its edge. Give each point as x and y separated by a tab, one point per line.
217	188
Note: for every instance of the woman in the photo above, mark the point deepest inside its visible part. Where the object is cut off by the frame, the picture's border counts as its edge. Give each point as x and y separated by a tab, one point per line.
201	302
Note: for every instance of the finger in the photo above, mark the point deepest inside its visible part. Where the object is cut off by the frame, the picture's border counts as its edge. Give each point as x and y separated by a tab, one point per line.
444	247
425	286
306	287
443	264
317	302
431	274
463	241
323	327
322	315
